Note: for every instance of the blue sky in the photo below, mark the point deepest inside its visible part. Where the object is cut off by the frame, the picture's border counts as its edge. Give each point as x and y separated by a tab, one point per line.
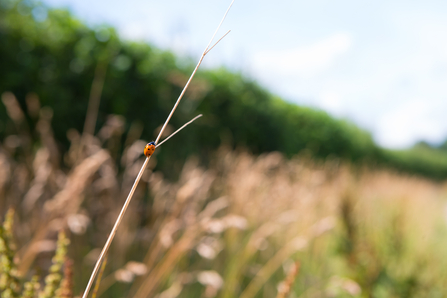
381	64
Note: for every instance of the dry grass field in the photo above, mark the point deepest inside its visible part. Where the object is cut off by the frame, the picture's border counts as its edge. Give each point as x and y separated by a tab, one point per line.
246	226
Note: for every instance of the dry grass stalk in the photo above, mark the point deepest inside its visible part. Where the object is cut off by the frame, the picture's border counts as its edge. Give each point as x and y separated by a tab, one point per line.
233	222
297	244
207	49
164	267
93	104
23	137
65	202
285	286
114	229
95	97
127	202
280	200
123	210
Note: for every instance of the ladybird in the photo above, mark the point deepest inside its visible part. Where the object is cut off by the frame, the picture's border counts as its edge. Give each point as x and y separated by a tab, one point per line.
149	149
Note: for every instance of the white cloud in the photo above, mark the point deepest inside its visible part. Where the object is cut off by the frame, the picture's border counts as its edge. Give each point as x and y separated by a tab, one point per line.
134	31
415	120
332	102
399	58
306	61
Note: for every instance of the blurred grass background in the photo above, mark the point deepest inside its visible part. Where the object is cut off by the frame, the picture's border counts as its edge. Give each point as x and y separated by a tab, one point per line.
229	207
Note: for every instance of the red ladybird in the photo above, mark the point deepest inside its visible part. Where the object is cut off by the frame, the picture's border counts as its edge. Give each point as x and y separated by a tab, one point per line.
149	149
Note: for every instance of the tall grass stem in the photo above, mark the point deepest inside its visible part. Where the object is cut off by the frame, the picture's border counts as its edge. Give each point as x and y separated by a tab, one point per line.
193	73
184	125
140	174
115	228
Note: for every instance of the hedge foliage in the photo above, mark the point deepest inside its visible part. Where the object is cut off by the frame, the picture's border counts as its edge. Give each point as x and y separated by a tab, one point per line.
52	54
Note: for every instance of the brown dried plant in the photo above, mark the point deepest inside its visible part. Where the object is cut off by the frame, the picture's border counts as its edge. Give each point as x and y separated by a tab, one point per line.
143	167
233	229
228	230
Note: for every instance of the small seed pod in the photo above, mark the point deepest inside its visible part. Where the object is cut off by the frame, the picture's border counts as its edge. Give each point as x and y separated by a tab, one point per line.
149	149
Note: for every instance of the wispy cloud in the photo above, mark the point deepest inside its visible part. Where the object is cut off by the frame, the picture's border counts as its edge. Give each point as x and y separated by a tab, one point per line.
304	61
382	65
415	120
